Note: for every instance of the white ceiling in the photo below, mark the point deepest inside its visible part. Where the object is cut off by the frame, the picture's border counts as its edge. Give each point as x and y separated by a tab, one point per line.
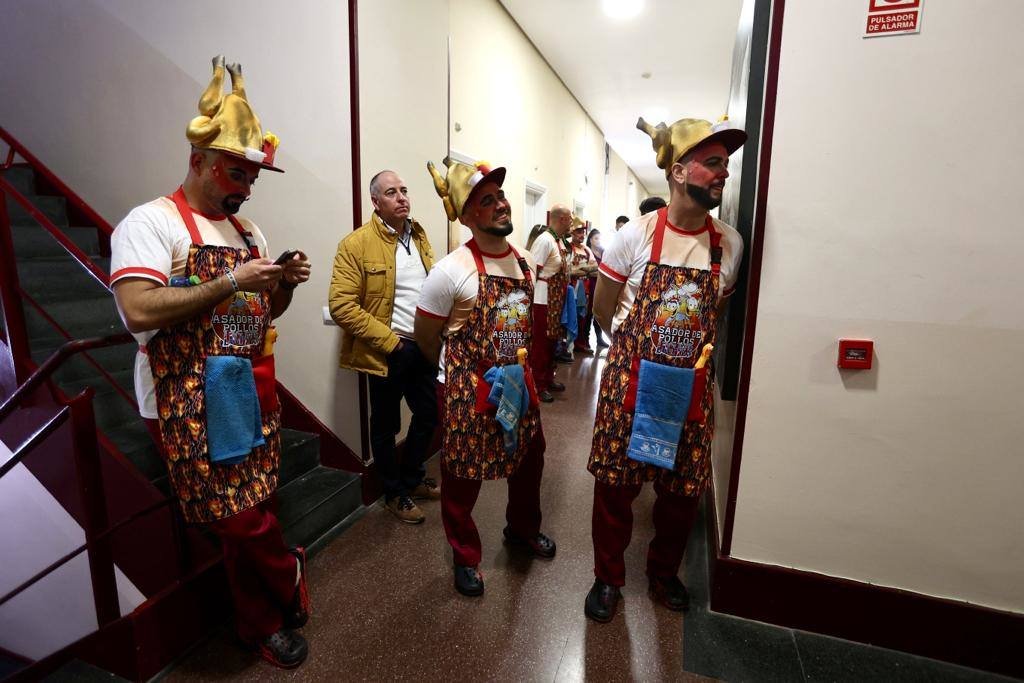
686	46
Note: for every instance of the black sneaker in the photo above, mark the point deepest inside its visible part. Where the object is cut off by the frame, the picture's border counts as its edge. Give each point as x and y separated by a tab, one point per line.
601	602
285	649
469	581
670	592
545	396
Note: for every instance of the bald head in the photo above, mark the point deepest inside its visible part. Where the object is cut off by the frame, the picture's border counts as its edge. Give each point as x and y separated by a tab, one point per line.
561	219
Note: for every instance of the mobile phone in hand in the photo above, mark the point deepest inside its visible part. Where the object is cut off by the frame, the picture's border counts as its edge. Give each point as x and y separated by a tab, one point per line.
286	256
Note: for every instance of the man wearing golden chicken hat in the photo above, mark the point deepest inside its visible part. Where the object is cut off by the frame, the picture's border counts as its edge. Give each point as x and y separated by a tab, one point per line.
477	302
663	280
194	285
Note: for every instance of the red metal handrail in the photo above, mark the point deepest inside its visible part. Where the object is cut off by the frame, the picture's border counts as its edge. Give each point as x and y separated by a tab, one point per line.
90	479
53	362
56	233
67	335
40	168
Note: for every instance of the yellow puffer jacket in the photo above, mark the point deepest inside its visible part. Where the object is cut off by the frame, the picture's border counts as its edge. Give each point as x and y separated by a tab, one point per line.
363	292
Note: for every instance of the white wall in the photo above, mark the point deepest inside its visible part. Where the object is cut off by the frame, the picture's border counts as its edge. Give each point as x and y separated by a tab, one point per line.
513	111
892	216
101	91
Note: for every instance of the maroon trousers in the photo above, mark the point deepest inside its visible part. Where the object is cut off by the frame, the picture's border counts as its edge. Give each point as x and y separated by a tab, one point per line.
542	349
261	571
612	528
522	513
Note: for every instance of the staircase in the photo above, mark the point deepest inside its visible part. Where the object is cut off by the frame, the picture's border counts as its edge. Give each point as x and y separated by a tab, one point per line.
63	301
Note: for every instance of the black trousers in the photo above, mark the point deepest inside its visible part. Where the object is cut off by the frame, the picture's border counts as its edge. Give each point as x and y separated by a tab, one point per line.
412	378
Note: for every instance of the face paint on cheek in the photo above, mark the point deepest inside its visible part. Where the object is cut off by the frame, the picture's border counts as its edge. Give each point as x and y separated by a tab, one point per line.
222	178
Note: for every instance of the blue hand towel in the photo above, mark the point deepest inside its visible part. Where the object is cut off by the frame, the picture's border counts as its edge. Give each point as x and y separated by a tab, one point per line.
581	299
663	396
569	319
509	393
233	426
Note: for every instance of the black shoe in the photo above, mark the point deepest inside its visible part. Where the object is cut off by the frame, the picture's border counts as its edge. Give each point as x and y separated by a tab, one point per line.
542	546
297	613
556	386
670	592
564	358
469	581
602	344
285	649
545	397
601	602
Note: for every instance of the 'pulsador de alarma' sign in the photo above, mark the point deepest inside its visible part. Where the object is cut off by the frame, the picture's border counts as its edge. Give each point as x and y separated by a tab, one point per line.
893	17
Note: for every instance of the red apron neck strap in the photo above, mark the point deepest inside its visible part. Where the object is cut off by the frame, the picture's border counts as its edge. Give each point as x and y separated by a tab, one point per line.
716	246
523	265
478	257
193	230
659	234
246	236
186	215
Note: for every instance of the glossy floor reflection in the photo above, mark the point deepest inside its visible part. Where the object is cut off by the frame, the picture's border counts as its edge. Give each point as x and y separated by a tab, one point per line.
385	608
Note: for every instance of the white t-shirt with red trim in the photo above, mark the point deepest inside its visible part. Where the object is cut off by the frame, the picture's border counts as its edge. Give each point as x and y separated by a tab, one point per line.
549	253
152	242
625	258
449	292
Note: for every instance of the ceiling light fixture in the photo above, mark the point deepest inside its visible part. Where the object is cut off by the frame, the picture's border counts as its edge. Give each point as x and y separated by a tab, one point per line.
622	9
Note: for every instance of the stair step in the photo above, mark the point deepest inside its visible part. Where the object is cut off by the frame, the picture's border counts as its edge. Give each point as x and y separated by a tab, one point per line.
51	279
54	208
316	502
300	453
78	671
112	359
133	440
31	241
22	177
81	318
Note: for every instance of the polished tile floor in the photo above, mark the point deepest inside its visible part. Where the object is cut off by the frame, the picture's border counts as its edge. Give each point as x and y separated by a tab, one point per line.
385	608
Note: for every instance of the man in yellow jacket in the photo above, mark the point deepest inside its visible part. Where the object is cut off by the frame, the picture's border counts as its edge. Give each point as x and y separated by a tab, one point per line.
379	270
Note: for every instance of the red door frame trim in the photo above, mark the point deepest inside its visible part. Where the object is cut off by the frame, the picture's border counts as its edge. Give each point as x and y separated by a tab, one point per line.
357	194
756	252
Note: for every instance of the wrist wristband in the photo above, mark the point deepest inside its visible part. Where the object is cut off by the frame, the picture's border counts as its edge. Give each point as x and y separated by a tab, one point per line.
287	286
232	280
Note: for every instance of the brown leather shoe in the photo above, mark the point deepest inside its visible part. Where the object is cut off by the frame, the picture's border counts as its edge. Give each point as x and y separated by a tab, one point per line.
427	490
406	510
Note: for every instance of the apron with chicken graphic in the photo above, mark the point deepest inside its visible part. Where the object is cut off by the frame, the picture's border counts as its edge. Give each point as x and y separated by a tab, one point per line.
497	328
674	315
177	357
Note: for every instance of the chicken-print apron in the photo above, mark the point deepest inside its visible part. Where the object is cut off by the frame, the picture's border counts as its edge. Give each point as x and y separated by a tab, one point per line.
177	356
557	285
497	328
674	315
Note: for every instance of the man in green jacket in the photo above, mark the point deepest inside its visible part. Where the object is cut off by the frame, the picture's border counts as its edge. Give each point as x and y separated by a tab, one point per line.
378	272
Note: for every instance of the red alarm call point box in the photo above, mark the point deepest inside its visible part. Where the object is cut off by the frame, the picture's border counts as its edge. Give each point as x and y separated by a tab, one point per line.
855	354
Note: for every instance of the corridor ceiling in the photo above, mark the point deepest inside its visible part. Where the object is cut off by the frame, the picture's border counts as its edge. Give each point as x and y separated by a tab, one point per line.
685	47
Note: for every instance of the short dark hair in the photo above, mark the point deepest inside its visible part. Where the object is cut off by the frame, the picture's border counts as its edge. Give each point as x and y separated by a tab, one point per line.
622	219
651	204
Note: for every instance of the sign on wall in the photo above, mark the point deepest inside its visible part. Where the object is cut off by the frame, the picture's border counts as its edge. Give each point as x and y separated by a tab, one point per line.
893	17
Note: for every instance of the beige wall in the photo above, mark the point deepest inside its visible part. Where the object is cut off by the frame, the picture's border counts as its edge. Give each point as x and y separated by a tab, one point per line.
101	91
891	216
512	110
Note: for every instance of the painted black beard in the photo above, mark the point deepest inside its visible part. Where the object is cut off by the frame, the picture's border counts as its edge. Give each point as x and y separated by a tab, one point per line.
232	203
702	196
499	231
